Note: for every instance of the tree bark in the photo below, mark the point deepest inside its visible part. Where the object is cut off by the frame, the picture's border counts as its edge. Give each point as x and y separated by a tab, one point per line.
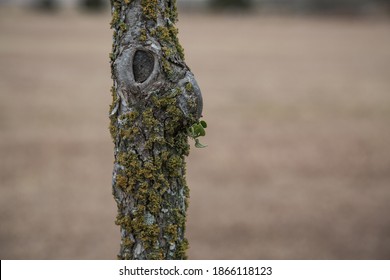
155	100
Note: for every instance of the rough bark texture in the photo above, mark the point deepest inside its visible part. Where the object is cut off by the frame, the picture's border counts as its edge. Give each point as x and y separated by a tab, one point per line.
155	100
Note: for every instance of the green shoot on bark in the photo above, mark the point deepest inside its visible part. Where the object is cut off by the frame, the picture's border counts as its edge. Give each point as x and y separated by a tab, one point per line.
197	130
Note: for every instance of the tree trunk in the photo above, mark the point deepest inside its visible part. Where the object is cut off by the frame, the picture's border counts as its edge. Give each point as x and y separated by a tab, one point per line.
155	100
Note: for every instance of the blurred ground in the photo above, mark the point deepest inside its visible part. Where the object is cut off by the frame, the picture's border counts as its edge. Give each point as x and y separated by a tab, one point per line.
298	157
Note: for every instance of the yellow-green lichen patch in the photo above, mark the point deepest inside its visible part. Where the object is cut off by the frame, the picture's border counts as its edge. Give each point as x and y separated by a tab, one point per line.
123	27
169	40
142	194
154	202
143	35
127	242
115	18
168	52
154	139
179	217
121	181
163	34
175	164
167	68
158	255
189	87
113	128
171	12
148	170
148	119
171	233
145	231
133	115
124	222
181	250
173	32
150	9
163	181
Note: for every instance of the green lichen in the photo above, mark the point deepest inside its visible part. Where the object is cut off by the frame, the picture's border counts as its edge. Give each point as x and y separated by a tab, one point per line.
189	87
123	221
180	253
121	181
167	68
143	35
113	127
179	217
174	32
168	52
122	27
171	12
154	202
171	233
163	34
174	164
127	242
148	119
168	38
150	9
115	18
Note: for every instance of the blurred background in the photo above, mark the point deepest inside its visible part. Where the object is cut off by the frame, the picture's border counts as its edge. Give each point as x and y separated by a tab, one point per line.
297	98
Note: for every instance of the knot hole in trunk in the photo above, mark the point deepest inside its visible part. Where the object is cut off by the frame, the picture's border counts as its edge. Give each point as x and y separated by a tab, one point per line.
143	65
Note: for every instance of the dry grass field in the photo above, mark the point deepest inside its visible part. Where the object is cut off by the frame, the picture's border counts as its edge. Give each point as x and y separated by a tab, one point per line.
298	158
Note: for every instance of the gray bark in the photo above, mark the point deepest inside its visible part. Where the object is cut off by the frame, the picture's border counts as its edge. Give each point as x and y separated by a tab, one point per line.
155	99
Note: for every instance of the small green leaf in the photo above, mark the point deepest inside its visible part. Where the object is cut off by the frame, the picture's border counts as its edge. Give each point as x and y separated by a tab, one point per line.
198	144
202	132
191	132
196	129
199	130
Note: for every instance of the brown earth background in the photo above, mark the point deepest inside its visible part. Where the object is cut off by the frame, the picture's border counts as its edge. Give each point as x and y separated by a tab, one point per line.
298	158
